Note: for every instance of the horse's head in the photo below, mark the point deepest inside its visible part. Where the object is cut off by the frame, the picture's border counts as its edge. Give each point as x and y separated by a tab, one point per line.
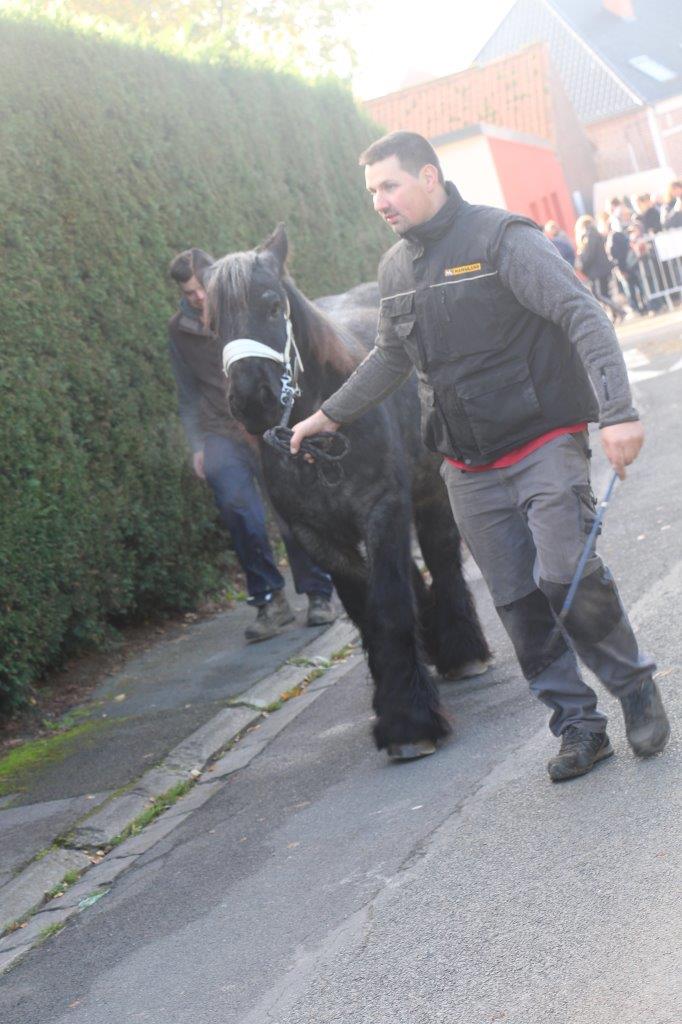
247	304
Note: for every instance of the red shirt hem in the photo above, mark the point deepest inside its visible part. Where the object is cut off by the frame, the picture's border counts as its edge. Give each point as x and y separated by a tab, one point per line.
510	458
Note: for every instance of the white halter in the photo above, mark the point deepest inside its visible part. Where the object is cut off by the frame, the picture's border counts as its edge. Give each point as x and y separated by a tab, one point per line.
248	348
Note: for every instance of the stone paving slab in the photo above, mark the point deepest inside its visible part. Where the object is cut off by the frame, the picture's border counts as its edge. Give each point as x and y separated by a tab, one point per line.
193	752
107	823
28	889
31	827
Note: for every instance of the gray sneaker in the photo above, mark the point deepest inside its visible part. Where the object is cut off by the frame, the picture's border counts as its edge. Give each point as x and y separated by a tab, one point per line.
320	611
272	615
646	723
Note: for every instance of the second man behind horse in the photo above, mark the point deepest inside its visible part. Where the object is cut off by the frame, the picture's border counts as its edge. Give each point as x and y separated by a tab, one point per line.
224	456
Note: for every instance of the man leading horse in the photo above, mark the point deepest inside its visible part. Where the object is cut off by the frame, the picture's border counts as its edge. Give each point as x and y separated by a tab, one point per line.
514	358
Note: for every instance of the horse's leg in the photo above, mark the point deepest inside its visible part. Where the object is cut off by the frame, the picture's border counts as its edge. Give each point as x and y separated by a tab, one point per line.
405	696
452	631
423	596
353	596
346	567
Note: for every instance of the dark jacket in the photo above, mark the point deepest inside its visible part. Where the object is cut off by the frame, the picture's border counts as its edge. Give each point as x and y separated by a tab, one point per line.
593	259
650	220
618	247
196	359
501	332
505	375
671	214
565	248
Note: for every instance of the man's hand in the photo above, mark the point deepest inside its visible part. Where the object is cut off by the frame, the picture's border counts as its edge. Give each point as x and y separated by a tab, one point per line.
198	464
622	443
315	424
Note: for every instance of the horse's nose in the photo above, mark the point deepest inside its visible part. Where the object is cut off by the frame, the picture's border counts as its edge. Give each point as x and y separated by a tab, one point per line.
237	405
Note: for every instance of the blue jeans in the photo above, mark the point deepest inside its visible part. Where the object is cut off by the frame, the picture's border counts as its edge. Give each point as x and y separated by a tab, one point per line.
232	472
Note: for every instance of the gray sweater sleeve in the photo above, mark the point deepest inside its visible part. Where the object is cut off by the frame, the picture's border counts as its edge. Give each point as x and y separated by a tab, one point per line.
188	398
530	266
379	374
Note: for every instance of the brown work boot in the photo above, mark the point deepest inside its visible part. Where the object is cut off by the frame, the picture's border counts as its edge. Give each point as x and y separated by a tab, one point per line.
272	615
320	611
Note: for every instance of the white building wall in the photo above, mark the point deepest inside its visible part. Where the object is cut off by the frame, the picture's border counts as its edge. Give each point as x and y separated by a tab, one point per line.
469	164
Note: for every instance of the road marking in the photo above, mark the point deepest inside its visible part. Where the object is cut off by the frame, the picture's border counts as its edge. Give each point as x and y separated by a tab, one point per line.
635	376
634	358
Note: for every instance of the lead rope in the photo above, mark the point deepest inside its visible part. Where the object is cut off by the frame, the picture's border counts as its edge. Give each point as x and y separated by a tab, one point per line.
586	552
326	448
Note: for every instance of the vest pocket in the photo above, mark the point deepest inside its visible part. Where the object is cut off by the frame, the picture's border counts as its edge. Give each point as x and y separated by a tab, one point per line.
501	408
398	317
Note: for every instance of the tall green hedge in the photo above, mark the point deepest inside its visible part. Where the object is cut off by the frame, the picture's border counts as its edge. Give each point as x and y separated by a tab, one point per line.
111	160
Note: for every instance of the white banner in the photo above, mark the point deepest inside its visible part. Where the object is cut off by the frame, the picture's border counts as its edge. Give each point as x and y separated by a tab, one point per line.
669	244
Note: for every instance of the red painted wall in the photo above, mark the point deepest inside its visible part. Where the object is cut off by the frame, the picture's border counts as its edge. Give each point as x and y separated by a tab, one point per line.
533	182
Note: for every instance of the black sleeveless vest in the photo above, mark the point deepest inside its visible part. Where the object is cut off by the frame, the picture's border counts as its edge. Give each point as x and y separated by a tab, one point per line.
493	375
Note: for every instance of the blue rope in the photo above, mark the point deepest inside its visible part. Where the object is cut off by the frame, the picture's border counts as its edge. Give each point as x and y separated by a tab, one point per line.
587	550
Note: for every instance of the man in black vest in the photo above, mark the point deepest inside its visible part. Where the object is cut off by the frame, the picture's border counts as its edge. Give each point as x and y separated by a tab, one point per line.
223	456
514	357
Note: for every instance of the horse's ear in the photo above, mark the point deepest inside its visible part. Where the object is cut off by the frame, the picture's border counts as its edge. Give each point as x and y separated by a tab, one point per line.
277	244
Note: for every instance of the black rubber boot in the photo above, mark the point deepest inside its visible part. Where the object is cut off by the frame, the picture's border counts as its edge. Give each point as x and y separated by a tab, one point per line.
646	723
580	751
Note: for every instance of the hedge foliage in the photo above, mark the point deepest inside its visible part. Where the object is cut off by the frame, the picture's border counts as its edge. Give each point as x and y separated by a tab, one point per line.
111	160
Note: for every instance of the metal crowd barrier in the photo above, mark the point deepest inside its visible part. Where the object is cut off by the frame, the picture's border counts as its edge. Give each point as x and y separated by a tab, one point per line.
661	269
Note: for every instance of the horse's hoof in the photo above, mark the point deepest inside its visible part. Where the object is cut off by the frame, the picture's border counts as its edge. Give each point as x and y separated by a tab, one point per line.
468	670
411	751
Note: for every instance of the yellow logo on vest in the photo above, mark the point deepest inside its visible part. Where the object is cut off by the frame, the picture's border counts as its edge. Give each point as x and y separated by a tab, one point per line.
466	269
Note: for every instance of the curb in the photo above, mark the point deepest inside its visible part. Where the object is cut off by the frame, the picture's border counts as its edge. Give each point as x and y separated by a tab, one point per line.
198	766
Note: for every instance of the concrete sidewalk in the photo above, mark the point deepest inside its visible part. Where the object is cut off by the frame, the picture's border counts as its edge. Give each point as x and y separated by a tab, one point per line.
141	741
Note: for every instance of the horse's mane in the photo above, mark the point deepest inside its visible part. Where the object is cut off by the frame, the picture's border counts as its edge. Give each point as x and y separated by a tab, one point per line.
335	346
227	284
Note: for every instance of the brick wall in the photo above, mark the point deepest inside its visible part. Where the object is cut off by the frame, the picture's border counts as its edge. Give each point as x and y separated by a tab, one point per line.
512	92
623	145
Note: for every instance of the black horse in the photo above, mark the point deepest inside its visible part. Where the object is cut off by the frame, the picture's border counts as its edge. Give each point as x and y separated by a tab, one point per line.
360	530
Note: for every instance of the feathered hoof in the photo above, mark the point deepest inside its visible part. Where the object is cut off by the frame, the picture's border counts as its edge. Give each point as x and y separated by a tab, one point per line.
468	670
410	751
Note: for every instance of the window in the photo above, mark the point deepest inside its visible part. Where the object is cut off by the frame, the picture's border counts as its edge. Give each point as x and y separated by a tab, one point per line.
652	68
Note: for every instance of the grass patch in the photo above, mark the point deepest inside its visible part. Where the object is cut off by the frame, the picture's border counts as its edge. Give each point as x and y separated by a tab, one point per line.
157	807
18	764
343	652
58	890
50	930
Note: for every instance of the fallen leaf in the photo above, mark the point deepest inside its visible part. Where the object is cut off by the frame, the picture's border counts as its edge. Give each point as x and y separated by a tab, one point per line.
119	697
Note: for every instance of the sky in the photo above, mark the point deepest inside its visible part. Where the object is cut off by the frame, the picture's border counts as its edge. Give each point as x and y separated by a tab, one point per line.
400	42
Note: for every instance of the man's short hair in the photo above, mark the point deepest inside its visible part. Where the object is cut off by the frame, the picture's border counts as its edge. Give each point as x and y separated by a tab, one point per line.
644	198
189	263
413	152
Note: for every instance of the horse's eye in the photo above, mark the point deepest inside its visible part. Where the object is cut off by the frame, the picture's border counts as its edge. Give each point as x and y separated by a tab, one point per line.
274	308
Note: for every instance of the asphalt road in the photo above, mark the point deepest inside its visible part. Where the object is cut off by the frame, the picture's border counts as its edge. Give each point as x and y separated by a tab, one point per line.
323	884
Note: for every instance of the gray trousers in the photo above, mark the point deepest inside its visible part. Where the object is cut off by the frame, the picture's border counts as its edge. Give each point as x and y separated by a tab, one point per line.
526	526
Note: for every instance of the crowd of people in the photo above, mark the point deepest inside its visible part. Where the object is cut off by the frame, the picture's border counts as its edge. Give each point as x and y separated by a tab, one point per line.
608	251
